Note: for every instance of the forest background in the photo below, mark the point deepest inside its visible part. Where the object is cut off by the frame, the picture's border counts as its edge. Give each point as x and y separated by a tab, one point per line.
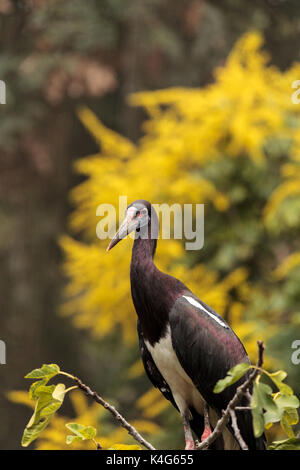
176	101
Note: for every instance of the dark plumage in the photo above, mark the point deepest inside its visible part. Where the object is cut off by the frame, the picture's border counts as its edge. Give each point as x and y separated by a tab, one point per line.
186	347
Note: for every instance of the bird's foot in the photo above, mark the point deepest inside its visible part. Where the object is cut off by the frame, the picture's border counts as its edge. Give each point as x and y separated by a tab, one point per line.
206	433
189	444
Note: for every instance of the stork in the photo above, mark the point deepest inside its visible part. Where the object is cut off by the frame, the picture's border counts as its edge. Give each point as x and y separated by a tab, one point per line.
186	347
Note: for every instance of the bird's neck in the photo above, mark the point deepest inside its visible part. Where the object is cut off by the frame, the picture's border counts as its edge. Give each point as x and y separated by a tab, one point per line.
144	246
144	277
142	265
153	292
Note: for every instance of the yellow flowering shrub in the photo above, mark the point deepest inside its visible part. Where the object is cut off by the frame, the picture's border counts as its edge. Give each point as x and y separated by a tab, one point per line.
188	134
232	145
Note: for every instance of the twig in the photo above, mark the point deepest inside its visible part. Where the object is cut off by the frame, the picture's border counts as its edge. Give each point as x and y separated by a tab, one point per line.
236	430
122	421
206	422
206	416
240	392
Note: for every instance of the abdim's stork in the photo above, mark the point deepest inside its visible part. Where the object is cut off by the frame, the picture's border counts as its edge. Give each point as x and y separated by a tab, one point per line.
186	347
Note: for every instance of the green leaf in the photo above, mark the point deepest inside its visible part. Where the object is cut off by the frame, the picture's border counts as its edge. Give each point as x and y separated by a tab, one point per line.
286	426
44	394
286	444
287	401
49	400
33	395
233	375
286	412
258	422
31	433
291	415
272	417
59	392
277	378
262	397
81	432
47	371
70	439
264	408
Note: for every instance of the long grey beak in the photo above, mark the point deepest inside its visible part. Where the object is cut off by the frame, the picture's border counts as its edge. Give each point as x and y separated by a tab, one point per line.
127	226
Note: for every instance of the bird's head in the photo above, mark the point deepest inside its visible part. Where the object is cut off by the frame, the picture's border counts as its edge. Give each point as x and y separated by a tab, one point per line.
138	215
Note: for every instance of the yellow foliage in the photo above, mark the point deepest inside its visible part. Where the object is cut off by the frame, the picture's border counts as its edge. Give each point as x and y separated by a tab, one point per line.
124	447
287	265
187	129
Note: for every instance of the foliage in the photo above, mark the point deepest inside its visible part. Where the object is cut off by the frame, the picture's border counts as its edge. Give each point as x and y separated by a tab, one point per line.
269	407
80	433
50	429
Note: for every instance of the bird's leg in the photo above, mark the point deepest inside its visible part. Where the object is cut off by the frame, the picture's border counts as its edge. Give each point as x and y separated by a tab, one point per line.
189	441
207	429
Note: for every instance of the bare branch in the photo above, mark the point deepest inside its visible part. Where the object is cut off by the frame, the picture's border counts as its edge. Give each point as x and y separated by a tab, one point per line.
206	416
236	430
121	420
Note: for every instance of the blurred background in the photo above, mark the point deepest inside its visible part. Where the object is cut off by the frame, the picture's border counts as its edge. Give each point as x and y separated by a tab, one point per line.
177	101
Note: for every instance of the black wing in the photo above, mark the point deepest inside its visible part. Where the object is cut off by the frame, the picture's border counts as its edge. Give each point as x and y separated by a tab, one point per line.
152	371
207	348
158	381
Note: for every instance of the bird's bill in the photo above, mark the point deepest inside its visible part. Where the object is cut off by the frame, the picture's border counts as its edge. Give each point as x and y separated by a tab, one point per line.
128	225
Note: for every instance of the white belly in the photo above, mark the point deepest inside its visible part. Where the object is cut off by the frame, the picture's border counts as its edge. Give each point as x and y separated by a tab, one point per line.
183	389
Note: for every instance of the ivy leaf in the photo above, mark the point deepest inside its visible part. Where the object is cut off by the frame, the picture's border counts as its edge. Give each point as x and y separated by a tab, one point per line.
233	375
47	371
